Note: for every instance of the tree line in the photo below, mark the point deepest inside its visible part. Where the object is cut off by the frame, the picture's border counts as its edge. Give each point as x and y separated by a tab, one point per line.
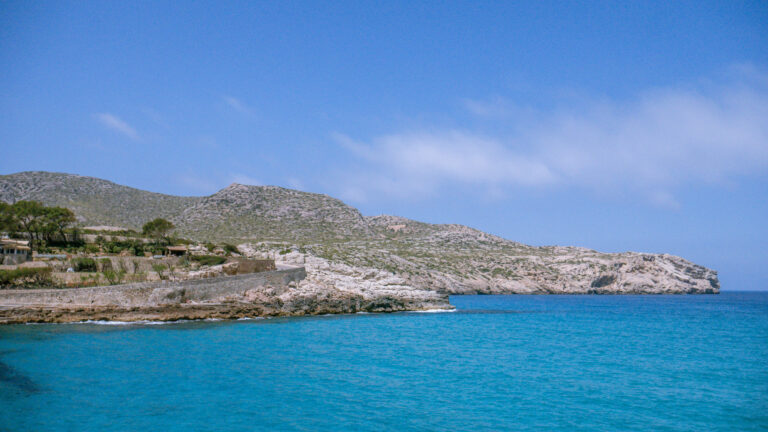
40	223
44	225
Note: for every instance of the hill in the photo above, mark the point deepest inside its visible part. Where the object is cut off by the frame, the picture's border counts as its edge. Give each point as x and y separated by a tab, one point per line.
341	247
94	201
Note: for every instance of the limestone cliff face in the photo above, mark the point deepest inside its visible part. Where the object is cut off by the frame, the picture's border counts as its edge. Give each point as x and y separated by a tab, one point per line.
458	259
592	273
560	271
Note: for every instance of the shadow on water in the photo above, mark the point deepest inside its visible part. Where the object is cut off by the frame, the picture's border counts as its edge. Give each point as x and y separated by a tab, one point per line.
11	377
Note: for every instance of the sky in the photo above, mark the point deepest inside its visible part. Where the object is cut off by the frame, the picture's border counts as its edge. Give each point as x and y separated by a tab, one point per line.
609	125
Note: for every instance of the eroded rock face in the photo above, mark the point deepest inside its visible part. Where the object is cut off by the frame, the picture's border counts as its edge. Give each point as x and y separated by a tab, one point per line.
455	261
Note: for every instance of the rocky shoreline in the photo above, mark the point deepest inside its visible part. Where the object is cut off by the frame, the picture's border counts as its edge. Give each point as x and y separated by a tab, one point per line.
353	262
224	311
311	285
270	294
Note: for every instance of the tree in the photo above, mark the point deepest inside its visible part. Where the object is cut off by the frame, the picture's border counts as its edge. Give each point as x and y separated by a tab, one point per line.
56	220
29	215
36	220
9	223
157	229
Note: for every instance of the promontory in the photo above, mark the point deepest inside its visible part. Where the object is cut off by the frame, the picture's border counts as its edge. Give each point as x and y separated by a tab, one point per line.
352	262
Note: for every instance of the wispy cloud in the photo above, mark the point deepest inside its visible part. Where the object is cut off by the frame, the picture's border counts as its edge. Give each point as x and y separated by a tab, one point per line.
238	105
295	183
117	124
197	183
496	107
156	117
652	145
436	157
245	180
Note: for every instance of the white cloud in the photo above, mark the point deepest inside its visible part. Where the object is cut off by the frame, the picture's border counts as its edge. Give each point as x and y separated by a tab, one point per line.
245	180
295	183
117	124
495	107
663	199
156	117
660	141
238	105
211	183
450	156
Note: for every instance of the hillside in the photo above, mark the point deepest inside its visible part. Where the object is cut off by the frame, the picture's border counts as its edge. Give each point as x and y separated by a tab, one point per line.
270	213
234	213
94	201
341	247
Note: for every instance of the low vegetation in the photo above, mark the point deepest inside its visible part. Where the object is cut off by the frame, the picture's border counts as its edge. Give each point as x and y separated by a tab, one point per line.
26	278
84	264
209	260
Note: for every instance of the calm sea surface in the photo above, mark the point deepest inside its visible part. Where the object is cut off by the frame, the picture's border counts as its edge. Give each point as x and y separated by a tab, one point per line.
593	363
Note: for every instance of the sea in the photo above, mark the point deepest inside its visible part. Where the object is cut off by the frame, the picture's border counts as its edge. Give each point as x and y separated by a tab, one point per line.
539	363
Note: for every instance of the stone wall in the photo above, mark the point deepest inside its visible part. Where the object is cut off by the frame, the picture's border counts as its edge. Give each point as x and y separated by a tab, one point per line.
251	265
149	294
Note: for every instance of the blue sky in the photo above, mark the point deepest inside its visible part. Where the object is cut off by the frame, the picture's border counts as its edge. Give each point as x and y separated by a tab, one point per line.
609	125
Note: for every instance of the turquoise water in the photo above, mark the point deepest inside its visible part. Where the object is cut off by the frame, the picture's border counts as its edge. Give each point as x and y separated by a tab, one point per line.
596	363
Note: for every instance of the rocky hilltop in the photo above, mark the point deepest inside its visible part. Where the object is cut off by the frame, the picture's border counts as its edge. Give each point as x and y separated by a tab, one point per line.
271	213
342	249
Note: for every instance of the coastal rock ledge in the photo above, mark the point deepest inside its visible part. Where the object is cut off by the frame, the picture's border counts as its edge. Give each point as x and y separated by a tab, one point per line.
284	292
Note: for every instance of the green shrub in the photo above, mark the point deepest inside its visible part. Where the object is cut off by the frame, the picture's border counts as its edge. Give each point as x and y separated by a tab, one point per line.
159	268
230	248
114	277
113	248
209	260
106	264
26	278
84	265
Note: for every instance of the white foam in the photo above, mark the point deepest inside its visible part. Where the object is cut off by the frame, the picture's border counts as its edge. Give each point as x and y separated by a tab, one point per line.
250	318
435	311
119	323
